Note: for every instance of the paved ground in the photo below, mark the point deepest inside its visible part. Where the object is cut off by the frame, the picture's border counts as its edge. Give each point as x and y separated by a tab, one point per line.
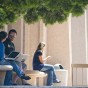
37	87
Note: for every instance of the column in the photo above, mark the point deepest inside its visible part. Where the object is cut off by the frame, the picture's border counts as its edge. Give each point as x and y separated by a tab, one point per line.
79	47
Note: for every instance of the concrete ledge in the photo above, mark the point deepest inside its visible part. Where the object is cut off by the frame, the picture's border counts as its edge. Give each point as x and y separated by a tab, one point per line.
37	78
38	87
3	69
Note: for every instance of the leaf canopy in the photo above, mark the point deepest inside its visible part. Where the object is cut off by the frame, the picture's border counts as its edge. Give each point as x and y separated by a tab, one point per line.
50	11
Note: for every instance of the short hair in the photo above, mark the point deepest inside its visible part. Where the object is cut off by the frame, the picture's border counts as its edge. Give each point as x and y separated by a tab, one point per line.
12	30
41	46
3	35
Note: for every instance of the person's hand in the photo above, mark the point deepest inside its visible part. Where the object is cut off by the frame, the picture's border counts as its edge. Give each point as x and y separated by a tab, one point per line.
48	56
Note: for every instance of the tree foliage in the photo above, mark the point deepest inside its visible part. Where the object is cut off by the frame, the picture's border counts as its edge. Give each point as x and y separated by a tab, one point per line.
50	11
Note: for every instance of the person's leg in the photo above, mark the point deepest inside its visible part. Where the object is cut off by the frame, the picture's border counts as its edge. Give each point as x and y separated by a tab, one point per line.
49	67
49	77
18	71
15	76
8	78
24	67
16	68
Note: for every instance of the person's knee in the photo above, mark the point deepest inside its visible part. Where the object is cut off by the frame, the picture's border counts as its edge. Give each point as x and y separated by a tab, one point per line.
51	67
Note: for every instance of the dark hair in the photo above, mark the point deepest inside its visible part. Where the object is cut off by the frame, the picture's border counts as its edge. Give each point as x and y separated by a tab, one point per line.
12	30
3	35
40	46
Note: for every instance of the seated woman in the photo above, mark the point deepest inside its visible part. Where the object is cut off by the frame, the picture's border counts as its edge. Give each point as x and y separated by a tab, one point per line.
8	77
38	64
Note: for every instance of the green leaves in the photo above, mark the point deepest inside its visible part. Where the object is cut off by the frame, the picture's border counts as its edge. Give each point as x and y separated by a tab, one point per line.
50	11
77	10
31	16
2	15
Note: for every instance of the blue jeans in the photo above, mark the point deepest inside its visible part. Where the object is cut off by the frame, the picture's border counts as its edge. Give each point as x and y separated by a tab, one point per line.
16	68
49	69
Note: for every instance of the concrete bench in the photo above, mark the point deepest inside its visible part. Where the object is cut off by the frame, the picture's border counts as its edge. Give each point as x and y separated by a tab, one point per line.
3	69
37	78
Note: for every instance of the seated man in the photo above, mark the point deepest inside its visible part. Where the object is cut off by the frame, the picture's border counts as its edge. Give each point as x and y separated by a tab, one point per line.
9	47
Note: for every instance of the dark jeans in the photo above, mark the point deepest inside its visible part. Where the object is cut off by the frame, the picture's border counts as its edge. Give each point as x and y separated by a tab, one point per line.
16	68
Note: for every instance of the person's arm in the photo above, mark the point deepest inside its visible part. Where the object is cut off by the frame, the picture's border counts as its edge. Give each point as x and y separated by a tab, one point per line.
1	51
43	60
6	48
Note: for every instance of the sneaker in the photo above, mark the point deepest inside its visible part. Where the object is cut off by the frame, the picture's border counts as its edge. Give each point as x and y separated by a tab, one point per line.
14	84
56	81
27	84
25	77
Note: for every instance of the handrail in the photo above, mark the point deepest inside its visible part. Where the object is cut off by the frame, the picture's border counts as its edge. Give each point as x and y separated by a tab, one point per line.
79	65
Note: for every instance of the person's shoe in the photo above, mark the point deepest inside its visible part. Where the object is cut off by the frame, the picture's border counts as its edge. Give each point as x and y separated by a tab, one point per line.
27	84
56	81
14	84
25	77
